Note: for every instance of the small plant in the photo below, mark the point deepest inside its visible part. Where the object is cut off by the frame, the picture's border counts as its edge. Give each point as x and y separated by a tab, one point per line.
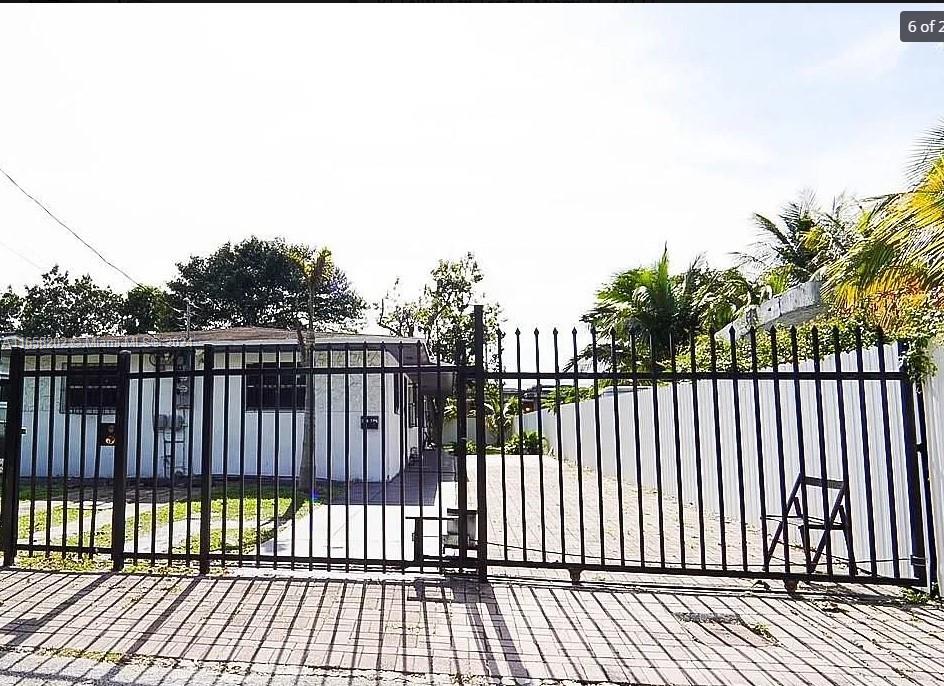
913	596
529	443
57	563
917	361
761	630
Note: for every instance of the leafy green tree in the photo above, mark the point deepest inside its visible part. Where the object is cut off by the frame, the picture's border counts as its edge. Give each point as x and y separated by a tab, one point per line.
11	304
146	309
64	307
442	314
260	282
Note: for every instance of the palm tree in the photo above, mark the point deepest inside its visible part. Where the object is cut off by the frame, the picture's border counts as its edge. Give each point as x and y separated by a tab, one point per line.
723	295
897	263
806	240
648	301
316	272
500	411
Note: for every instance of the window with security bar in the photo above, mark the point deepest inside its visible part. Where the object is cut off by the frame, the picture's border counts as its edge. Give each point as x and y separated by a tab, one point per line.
267	388
90	389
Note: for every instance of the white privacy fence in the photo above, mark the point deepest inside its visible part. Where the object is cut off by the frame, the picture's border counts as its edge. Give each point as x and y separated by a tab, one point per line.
934	413
732	451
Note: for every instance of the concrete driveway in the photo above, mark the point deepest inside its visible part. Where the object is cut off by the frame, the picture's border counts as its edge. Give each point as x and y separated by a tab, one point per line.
373	520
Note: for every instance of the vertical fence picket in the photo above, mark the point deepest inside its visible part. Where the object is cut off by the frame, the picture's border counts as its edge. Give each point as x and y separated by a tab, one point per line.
120	467
913	475
206	457
677	444
478	344
888	456
11	458
539	397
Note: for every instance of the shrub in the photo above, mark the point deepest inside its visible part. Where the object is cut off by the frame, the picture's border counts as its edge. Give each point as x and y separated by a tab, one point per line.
529	443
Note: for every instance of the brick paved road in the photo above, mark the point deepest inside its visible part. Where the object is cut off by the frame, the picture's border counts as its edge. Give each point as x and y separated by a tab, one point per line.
646	630
625	634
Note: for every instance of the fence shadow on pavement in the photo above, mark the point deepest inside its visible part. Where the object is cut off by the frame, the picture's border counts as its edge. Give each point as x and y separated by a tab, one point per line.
451	625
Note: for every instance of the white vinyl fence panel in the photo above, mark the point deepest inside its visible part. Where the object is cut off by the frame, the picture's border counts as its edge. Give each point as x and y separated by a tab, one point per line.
934	413
724	445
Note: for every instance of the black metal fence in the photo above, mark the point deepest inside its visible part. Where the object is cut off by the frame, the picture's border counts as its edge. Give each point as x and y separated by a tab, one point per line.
769	456
772	455
175	455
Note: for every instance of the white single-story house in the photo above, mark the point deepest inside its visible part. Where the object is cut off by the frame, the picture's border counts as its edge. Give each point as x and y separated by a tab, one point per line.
259	406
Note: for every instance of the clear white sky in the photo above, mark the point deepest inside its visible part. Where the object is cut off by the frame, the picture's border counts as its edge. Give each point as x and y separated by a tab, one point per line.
558	143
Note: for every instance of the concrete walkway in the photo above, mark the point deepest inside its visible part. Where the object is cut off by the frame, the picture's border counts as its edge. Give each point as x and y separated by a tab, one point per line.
373	519
654	634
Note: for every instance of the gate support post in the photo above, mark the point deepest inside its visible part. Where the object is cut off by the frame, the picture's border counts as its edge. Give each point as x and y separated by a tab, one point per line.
11	458
915	501
481	545
931	540
462	474
206	458
120	466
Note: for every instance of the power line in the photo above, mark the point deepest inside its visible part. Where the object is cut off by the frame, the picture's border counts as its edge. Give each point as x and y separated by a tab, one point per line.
20	255
77	236
72	231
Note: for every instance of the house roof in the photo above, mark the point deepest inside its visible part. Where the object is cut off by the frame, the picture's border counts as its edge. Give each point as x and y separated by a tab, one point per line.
412	353
240	335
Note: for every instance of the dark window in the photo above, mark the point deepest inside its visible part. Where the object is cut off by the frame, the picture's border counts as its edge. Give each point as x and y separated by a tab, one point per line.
268	389
91	389
4	390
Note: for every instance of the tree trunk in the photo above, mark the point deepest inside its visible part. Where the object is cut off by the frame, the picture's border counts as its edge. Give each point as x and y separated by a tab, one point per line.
306	465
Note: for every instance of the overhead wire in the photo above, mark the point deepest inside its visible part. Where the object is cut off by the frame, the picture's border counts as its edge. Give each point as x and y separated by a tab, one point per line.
71	230
75	234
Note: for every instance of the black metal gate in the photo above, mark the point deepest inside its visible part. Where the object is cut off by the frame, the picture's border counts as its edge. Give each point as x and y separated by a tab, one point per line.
773	455
770	456
184	455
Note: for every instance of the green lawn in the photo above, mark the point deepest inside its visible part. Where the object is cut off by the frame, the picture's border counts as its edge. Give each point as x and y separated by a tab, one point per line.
254	507
260	514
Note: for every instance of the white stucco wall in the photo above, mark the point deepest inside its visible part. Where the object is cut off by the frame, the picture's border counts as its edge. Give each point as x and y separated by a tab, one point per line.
248	441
